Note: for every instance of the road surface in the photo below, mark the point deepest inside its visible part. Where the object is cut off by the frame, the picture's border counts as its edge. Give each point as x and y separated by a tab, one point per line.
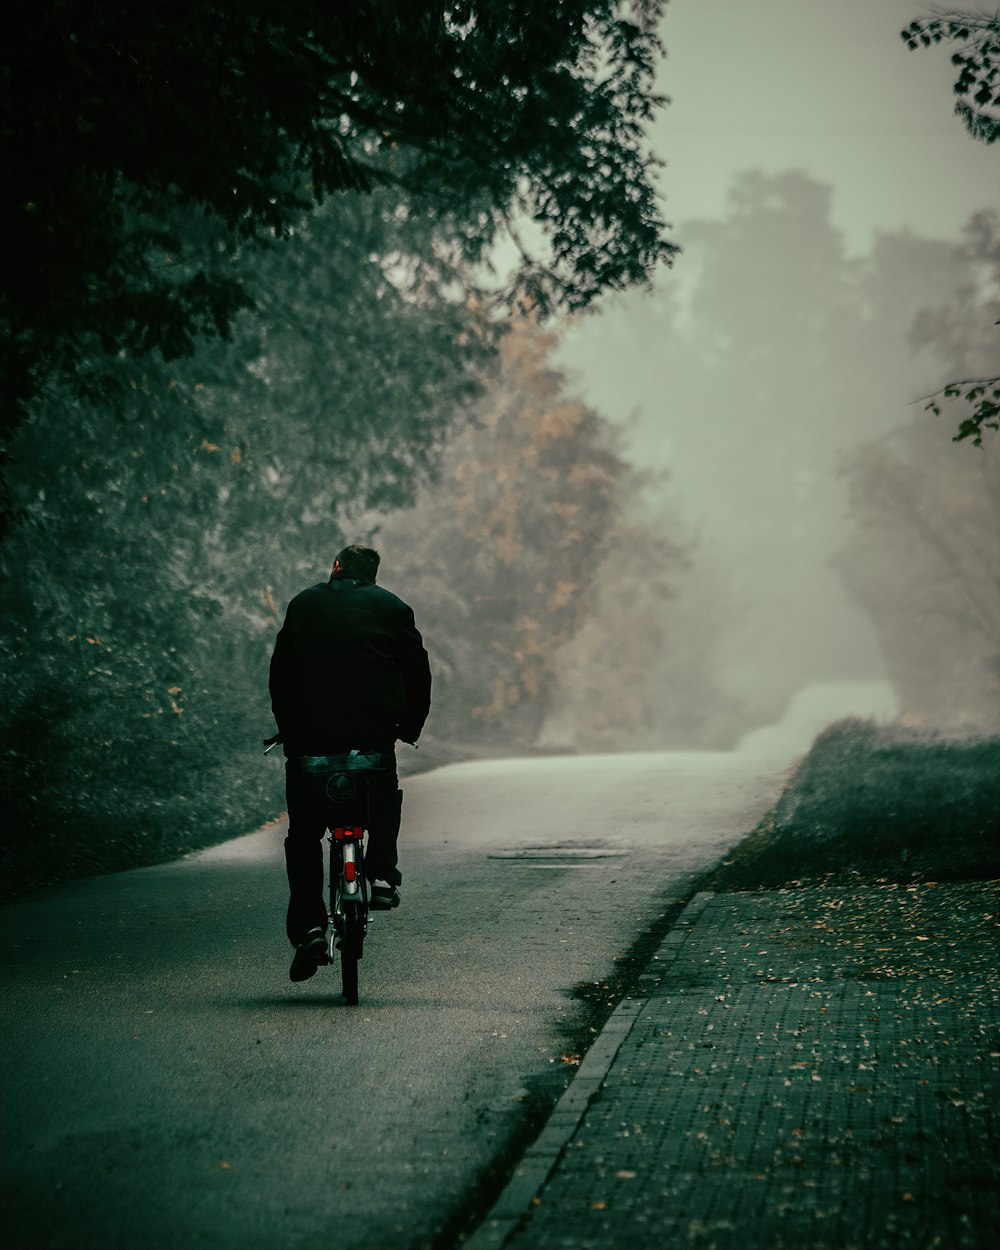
166	1085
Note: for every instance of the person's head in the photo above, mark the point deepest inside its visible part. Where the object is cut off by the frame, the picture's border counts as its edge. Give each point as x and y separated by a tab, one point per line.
355	561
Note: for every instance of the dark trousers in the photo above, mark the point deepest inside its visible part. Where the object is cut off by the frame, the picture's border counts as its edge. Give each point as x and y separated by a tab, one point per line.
309	816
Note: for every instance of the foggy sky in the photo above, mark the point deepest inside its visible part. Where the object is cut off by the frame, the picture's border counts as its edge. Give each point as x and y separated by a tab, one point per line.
826	86
829	88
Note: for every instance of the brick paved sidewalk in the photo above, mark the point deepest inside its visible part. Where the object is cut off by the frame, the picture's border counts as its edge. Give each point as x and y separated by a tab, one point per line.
803	1068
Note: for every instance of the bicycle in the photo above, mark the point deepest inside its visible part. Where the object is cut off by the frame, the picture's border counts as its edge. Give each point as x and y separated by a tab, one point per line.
343	785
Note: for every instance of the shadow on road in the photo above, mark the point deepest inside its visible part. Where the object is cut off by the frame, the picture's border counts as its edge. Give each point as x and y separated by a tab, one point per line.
333	999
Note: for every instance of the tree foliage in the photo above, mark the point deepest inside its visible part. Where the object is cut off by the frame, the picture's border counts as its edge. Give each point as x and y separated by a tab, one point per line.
147	576
499	557
320	185
977	59
983	398
963	332
143	577
978	105
146	144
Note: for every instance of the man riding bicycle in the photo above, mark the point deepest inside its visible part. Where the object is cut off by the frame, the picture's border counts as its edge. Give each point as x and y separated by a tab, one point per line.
348	672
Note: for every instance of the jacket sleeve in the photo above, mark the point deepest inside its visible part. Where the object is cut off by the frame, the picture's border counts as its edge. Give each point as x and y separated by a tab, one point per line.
279	682
412	662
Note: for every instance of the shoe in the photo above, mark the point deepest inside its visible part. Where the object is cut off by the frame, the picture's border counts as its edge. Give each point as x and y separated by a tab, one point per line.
309	954
384	898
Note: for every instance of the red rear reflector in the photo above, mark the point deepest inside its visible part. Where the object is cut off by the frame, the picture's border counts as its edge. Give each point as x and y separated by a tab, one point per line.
349	870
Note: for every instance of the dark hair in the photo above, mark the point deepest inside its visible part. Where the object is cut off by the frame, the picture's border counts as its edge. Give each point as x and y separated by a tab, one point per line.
358	561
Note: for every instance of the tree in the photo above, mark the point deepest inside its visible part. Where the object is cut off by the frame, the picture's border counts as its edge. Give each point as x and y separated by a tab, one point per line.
978	59
146	144
773	362
157	153
640	671
144	576
501	557
963	333
750	392
923	560
978	105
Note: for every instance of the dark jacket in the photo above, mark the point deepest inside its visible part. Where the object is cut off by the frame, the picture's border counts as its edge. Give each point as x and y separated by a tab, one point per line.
349	669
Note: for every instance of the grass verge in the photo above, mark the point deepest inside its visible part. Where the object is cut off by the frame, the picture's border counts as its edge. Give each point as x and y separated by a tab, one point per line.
874	805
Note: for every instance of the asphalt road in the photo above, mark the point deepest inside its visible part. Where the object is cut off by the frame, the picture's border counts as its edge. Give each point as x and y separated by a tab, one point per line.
166	1085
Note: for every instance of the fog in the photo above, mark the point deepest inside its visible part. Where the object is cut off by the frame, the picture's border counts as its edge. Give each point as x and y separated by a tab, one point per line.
819	186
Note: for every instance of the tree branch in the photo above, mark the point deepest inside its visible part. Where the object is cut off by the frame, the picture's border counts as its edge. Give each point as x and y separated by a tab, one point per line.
959	382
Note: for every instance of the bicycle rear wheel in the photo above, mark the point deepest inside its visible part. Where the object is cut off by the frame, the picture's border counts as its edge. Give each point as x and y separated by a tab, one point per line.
351	950
349	975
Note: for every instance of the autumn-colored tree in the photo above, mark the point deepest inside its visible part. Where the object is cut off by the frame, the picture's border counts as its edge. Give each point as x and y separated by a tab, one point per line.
501	556
536	575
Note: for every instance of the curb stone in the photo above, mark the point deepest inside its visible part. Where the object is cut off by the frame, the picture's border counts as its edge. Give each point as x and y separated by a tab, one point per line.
539	1160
